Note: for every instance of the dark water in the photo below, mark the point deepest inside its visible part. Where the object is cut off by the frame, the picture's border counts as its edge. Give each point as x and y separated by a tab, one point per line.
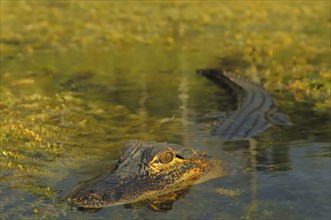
284	173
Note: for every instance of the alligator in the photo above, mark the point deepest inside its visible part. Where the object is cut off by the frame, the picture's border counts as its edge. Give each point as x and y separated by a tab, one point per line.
161	172
256	109
146	170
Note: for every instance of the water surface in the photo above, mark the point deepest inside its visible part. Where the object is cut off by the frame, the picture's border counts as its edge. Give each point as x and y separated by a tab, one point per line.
153	93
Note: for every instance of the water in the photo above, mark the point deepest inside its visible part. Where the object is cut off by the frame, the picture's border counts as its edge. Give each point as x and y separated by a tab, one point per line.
153	93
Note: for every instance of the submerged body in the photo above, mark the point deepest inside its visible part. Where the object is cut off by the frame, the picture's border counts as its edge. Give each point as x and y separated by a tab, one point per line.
256	110
145	170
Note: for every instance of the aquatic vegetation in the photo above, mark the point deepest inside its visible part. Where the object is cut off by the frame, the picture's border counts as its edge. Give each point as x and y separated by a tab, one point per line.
228	192
254	39
44	128
44	137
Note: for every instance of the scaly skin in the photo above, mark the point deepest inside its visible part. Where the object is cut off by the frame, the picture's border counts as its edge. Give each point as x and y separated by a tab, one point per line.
145	170
256	110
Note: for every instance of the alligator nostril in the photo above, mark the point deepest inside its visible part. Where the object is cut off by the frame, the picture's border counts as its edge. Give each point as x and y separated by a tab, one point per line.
179	156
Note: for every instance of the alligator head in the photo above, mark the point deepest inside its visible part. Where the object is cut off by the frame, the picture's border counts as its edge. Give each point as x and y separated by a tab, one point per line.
146	170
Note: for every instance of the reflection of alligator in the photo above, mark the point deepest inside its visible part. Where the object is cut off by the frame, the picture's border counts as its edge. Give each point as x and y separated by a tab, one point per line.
161	203
146	170
255	113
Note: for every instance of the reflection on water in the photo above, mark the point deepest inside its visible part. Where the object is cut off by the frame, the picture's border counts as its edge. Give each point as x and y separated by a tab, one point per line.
160	204
283	172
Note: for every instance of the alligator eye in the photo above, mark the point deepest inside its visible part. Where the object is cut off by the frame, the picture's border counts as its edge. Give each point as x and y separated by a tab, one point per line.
166	157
